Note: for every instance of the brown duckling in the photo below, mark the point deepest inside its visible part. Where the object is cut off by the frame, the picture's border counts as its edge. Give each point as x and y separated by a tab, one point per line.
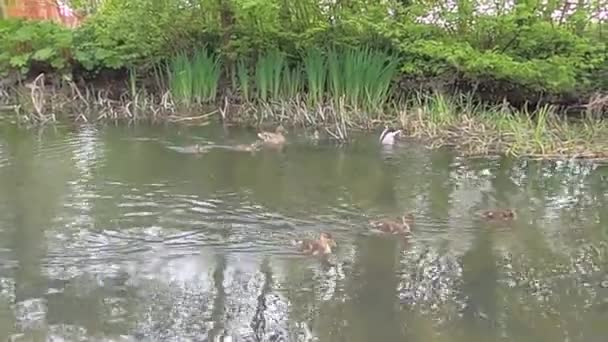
276	138
315	247
499	214
247	147
390	226
196	148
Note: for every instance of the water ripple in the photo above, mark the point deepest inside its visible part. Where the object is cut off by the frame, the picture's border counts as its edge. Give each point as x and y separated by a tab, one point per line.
3	157
178	257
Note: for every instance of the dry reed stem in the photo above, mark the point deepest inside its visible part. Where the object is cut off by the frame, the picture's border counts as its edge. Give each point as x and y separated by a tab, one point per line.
597	104
468	133
470	136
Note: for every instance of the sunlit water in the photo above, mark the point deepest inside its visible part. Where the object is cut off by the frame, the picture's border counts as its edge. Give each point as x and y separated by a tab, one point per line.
117	234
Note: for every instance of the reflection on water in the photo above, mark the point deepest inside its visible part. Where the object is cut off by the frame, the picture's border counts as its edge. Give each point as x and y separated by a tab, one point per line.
114	234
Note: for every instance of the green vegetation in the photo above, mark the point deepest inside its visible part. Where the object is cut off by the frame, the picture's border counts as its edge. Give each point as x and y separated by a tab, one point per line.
194	80
344	64
482	129
521	52
24	45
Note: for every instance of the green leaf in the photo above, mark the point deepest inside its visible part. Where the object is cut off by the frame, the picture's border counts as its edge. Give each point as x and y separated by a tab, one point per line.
44	54
20	61
85	59
58	63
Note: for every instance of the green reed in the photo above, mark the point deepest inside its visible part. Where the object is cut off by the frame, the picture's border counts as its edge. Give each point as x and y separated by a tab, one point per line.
194	80
244	80
291	86
381	71
207	69
132	72
315	70
180	77
268	75
438	109
362	77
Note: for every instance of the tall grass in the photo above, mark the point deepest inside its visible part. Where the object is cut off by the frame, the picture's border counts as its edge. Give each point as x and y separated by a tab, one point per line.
359	79
194	80
315	69
268	72
355	79
362	77
475	128
292	82
181	79
132	72
244	80
438	108
206	68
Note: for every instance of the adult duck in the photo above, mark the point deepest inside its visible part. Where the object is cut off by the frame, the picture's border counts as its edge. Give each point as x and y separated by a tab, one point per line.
389	135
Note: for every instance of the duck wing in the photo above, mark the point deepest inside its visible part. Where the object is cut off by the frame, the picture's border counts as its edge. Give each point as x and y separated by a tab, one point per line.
386	225
265	135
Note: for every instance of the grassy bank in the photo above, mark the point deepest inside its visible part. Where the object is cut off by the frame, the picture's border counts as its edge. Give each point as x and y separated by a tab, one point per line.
531	53
475	129
343	66
437	119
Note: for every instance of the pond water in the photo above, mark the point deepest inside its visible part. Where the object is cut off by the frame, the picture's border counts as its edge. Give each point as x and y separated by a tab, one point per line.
118	234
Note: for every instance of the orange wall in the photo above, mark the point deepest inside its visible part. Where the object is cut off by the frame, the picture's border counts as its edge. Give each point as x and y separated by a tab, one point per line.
41	10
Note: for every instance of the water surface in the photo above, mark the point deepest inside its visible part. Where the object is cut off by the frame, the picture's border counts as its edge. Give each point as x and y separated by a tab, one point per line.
119	234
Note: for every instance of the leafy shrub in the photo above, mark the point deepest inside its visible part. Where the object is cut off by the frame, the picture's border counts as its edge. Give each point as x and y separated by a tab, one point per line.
135	32
517	49
24	43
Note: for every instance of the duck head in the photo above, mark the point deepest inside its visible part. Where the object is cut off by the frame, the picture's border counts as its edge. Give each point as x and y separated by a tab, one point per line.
327	239
280	130
508	214
407	219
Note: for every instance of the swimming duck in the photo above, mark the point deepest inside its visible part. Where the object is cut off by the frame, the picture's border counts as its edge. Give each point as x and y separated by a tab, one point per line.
247	147
276	138
196	148
499	214
388	136
391	226
321	246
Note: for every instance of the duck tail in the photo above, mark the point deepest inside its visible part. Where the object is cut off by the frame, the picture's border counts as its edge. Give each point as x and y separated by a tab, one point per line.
383	134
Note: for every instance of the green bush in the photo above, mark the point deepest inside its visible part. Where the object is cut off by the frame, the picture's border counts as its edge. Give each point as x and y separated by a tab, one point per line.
136	32
23	44
518	49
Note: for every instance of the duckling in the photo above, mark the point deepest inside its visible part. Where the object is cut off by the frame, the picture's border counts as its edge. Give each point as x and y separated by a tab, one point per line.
247	147
321	246
387	137
498	214
391	226
196	148
276	138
